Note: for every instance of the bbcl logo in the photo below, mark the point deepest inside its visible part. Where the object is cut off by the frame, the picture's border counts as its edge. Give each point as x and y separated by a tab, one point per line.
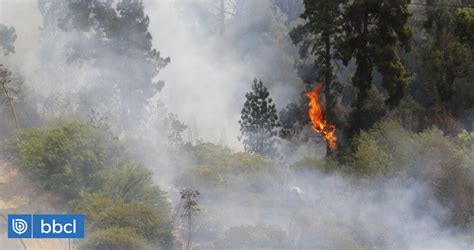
19	226
45	226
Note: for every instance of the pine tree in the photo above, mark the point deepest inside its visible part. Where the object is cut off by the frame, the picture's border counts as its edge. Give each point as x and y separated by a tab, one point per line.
373	30
318	36
259	122
449	55
115	38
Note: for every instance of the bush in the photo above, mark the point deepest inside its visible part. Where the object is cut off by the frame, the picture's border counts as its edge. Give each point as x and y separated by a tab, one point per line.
218	170
374	150
66	159
150	225
446	164
409	114
87	165
130	182
325	165
116	238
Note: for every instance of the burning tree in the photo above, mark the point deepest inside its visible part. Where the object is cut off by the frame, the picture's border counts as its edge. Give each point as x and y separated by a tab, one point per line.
318	38
316	116
259	122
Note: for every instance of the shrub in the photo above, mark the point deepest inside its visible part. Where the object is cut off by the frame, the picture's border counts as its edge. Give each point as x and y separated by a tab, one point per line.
66	159
130	182
150	225
116	238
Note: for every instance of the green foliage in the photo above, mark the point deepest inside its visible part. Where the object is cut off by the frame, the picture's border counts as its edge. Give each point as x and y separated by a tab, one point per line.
325	165
369	111
318	36
223	160
369	157
92	204
409	114
113	28
147	223
388	149
140	218
447	58
465	142
292	120
464	25
133	183
201	176
175	130
373	30
66	159
116	238
259	121
444	163
260	236
210	153
88	166
218	170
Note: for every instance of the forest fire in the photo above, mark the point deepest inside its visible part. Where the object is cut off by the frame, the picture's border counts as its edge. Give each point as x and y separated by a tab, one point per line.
316	115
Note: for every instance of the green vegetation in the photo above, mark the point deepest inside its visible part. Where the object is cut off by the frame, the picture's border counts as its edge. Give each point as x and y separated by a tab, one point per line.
398	81
89	168
219	170
259	121
324	21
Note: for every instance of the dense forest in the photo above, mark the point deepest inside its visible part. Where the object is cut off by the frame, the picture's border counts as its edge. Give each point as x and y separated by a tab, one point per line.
240	124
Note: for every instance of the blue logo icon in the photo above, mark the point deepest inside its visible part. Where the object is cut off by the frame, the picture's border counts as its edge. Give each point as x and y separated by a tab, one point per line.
19	225
46	226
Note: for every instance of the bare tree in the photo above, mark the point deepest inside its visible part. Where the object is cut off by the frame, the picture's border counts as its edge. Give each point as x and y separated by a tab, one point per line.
4	80
190	207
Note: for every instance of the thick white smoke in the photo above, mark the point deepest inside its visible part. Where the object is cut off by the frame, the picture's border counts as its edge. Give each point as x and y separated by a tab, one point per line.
205	84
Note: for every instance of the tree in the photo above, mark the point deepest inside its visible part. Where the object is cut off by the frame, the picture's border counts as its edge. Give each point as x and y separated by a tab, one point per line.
291	8
373	30
259	121
4	80
7	38
121	224
175	129
190	207
292	120
320	34
66	159
114	38
447	58
130	182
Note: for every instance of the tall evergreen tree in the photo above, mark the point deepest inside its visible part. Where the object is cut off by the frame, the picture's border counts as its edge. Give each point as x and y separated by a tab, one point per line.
449	55
259	122
320	34
113	37
373	31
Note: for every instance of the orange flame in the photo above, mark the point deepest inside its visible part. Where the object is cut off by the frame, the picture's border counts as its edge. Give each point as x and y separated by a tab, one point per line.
316	116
